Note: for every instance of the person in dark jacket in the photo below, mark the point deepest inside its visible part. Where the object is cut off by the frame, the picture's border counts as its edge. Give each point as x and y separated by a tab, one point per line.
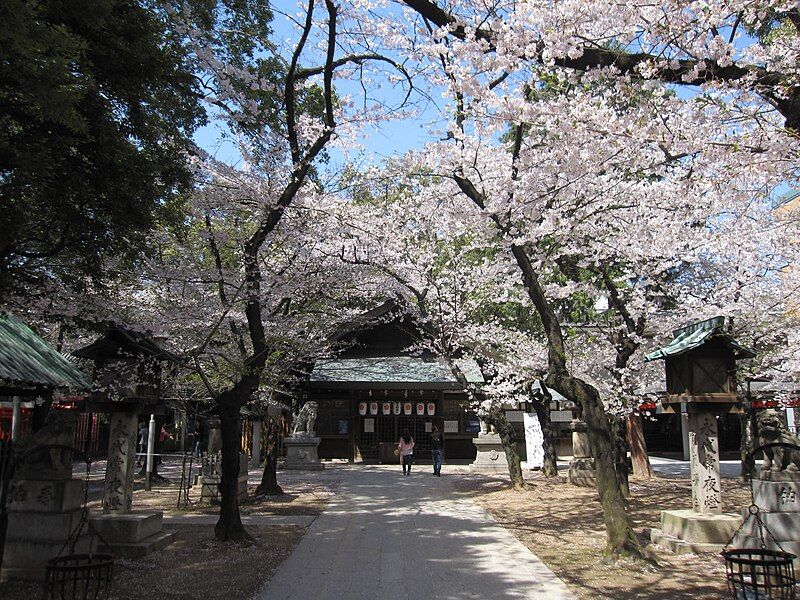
437	450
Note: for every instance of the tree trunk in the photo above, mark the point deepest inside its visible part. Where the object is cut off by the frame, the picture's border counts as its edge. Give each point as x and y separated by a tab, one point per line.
550	466
507	436
621	538
619	429
639	457
229	527
269	480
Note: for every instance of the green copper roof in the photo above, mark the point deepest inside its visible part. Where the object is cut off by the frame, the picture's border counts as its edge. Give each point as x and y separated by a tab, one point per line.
695	335
27	360
393	370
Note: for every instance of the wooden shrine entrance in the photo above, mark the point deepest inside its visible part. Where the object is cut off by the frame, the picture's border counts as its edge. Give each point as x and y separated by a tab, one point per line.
378	435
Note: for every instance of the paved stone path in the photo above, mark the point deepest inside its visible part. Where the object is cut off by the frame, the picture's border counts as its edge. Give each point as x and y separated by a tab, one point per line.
384	536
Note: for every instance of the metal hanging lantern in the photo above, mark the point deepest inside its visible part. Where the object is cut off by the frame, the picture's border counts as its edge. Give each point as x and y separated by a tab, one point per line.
760	573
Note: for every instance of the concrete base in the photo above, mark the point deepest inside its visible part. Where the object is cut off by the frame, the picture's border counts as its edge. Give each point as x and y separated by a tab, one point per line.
301	453
490	456
581	472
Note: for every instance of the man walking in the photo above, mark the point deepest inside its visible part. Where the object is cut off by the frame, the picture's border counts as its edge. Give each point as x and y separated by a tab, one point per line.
437	450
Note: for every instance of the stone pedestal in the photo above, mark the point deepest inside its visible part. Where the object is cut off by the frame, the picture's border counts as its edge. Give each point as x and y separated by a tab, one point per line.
301	453
779	504
44	502
42	516
581	467
685	531
490	456
131	535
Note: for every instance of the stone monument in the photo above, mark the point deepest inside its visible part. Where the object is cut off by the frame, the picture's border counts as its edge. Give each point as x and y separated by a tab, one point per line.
700	370
44	503
490	456
581	467
776	491
126	382
211	467
302	444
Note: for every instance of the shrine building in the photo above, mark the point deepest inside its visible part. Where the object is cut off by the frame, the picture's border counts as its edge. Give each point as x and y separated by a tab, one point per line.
375	388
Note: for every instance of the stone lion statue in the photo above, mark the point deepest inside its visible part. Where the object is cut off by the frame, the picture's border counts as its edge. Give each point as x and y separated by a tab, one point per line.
771	430
304	421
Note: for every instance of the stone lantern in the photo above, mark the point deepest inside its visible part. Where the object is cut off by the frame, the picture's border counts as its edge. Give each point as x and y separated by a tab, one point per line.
126	382
700	364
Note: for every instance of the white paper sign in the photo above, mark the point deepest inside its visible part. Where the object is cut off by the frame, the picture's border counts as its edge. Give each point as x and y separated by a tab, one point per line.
533	441
428	426
369	425
451	426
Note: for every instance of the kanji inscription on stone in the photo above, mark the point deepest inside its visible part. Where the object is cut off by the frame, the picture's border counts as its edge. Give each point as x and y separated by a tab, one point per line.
118	486
704	455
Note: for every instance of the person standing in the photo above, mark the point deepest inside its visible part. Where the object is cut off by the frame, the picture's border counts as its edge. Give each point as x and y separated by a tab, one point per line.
437	450
406	447
144	434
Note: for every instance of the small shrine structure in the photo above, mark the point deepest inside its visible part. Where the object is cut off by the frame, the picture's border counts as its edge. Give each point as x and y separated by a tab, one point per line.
700	365
126	383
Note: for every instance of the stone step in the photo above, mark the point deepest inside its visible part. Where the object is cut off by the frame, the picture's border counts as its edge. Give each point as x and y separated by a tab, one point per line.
700	528
127	527
144	547
679	546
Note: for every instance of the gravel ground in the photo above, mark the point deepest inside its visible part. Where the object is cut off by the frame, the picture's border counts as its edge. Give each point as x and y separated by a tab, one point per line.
563	525
194	566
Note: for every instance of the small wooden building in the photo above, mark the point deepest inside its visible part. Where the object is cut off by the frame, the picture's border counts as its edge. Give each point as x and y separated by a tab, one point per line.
375	388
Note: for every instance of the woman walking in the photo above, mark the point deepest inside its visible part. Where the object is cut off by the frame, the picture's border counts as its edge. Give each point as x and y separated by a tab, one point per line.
406	447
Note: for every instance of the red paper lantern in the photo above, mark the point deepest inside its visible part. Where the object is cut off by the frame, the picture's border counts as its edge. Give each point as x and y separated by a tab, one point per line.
420	408
431	408
407	408
387	408
362	408
373	408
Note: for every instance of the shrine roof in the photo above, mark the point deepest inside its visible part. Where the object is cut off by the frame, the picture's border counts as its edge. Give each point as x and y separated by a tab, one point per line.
119	342
394	371
695	335
26	360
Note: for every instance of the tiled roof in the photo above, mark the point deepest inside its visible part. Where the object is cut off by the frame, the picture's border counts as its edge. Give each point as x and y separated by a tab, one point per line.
27	360
695	335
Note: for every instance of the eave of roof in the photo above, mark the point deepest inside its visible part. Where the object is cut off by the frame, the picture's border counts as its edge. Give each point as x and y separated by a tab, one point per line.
26	360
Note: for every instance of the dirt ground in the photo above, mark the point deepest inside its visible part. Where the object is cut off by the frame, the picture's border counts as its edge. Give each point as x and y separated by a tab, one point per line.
194	566
301	498
563	525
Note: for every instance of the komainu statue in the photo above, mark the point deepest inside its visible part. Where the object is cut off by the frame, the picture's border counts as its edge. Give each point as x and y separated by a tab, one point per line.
771	429
304	421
